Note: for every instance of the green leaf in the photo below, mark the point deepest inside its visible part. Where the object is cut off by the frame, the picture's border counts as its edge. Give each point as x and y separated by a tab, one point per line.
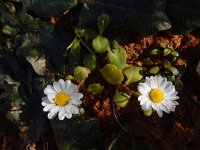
175	53
121	99
9	30
148	62
133	74
154	52
174	59
35	58
95	88
178	85
112	74
166	64
81	73
49	7
100	44
174	71
117	57
154	70
90	61
172	78
75	48
30	40
90	34
103	22
166	51
69	77
147	112
79	32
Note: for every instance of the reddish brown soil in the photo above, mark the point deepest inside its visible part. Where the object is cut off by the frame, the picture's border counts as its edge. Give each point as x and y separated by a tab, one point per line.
179	130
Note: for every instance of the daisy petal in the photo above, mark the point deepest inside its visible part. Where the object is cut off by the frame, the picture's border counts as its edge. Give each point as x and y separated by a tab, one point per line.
143	88
76	96
72	109
51	115
62	83
141	97
68	115
45	101
49	90
153	83
76	102
61	114
160	113
51	97
67	85
48	107
55	109
142	101
72	89
148	104
57	86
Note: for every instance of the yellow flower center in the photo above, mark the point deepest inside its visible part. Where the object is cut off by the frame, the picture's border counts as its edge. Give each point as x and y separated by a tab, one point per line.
156	95
62	99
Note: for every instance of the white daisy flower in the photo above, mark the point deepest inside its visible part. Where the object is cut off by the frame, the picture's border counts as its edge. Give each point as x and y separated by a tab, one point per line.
62	98
159	94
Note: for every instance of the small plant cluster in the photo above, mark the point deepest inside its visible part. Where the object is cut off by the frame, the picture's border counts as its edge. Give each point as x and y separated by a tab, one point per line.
156	92
41	70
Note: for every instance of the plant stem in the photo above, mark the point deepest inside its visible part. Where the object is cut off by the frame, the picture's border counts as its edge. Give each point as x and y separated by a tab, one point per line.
86	46
135	93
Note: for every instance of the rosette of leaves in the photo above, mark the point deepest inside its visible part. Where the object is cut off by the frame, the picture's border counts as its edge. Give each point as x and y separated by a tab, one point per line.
167	66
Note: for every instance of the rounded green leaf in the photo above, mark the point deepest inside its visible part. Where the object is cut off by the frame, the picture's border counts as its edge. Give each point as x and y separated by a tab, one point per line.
9	30
154	70
148	62
90	34
117	57
175	53
133	74
174	59
90	61
166	64
81	73
75	48
166	51
147	112
103	22
178	85
112	74
100	44
154	52
79	32
174	71
69	77
95	88
172	78
121	99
